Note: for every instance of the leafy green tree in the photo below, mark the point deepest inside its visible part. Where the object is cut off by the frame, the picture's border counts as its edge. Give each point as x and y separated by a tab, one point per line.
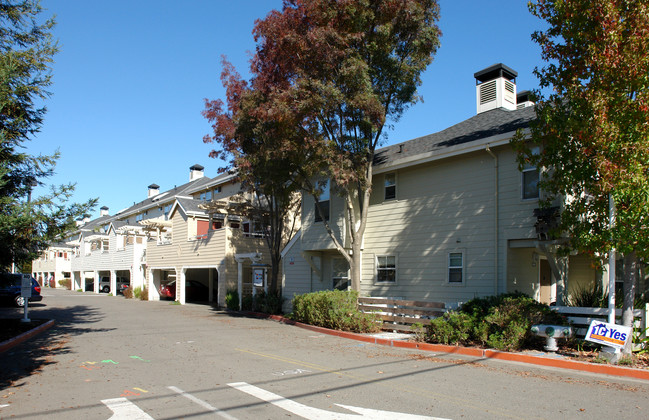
27	223
593	128
345	69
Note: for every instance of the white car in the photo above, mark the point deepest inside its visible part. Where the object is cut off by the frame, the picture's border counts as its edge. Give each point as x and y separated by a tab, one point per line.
104	284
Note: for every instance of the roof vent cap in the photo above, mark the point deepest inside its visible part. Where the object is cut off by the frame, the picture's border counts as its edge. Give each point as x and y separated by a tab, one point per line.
496	88
154	189
196	172
524	99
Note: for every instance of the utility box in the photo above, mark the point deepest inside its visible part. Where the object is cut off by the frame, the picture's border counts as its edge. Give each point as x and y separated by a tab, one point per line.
551	333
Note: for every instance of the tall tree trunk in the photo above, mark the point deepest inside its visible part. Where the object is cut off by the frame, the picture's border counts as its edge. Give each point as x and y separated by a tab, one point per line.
630	276
355	267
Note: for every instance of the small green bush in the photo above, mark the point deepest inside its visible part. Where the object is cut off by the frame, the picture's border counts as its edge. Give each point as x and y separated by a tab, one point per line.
502	322
137	292
591	295
66	283
128	293
246	303
232	299
334	309
268	303
453	328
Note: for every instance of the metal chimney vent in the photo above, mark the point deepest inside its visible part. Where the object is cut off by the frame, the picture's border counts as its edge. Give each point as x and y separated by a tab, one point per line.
496	88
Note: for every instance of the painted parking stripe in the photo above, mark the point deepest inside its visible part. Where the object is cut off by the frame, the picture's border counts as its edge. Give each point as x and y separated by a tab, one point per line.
202	403
319	414
123	409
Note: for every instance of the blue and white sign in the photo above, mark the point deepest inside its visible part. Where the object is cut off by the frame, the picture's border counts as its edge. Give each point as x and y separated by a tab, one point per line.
258	277
612	335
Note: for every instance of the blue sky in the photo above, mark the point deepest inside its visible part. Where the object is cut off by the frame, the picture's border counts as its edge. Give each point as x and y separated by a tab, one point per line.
131	76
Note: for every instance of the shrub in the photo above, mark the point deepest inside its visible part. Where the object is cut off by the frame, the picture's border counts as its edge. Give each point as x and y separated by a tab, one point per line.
268	303
452	328
591	295
145	294
67	283
137	292
246	303
334	309
502	322
128	293
232	299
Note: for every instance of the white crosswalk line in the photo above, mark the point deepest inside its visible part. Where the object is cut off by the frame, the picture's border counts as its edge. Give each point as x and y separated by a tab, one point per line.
202	403
123	409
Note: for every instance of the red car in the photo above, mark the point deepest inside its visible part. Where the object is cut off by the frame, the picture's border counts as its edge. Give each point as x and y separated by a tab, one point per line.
194	290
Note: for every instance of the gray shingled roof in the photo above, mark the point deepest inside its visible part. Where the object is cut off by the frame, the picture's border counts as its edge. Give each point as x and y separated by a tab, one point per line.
190	205
165	196
479	127
96	223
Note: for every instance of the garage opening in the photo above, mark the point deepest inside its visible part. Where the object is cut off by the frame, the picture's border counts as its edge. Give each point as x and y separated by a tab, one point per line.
201	285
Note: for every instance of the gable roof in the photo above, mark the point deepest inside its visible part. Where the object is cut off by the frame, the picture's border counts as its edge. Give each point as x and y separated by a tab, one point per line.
491	127
189	206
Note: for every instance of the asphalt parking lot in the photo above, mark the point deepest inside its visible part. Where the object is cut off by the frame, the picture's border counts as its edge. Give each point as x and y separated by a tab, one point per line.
109	357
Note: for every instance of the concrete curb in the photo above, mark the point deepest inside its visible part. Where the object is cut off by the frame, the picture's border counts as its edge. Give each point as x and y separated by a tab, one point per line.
13	342
473	352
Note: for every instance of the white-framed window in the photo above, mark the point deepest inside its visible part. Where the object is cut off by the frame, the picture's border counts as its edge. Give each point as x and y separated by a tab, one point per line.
206	195
530	180
340	274
390	186
167	210
386	269
323	203
140	217
456	267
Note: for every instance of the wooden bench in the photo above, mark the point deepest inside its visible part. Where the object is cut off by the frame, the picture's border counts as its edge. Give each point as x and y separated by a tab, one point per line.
400	315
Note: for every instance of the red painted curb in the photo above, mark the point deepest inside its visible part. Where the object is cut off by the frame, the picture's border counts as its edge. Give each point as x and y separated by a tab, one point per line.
474	352
13	342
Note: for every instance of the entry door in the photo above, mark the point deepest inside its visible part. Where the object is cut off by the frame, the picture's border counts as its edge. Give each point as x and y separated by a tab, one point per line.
545	278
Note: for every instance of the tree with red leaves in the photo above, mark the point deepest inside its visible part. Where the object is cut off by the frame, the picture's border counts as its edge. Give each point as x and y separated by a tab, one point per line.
593	130
262	145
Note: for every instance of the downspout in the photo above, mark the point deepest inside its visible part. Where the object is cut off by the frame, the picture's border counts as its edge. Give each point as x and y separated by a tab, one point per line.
496	215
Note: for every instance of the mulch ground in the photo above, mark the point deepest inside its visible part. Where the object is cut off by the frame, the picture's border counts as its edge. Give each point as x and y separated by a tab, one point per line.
10	328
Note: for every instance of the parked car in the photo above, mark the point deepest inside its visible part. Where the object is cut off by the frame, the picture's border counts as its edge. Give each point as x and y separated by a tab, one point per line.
11	288
104	284
194	290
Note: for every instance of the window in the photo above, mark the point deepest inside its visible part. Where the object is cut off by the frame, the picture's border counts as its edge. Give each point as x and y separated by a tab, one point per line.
530	180
456	267
323	204
201	228
340	274
390	186
386	269
206	195
167	209
253	228
140	217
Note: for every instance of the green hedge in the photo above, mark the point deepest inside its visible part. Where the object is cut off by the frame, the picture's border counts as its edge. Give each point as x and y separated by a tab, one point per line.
334	309
501	322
